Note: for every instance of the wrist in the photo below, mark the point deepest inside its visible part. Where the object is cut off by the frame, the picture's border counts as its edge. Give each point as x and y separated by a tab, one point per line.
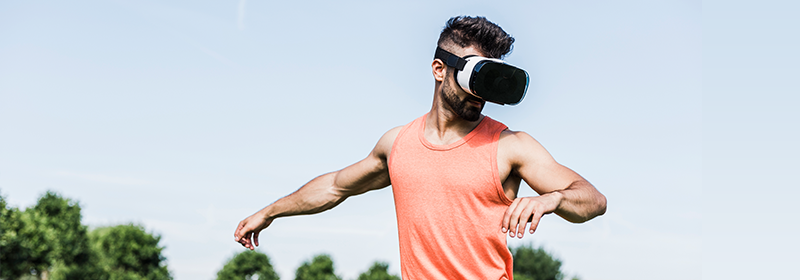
266	213
555	197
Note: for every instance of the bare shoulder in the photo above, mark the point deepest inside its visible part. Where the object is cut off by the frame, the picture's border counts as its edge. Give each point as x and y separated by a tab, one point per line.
520	147
384	146
518	140
512	136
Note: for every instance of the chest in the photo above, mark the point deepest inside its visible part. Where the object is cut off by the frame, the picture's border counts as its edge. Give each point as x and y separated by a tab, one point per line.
457	176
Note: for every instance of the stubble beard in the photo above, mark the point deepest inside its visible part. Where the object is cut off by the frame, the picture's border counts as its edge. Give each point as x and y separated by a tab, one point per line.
459	106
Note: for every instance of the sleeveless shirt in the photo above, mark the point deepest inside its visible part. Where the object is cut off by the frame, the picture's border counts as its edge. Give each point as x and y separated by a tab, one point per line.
449	203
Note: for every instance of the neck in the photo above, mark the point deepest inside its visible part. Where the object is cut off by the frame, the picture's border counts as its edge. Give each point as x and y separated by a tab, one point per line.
443	126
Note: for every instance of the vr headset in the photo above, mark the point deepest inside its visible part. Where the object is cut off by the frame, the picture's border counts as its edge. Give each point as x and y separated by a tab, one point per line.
492	79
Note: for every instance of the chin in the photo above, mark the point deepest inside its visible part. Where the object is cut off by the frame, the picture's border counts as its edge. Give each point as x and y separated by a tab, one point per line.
471	116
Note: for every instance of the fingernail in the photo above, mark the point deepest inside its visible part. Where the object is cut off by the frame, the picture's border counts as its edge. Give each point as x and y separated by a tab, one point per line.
503	229
519	235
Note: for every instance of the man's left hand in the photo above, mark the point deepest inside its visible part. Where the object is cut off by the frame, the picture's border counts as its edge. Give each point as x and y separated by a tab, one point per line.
526	210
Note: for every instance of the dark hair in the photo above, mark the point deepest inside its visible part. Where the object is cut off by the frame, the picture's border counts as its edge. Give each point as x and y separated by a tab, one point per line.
478	32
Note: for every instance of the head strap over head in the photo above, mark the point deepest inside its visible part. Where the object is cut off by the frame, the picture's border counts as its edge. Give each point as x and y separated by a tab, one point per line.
450	59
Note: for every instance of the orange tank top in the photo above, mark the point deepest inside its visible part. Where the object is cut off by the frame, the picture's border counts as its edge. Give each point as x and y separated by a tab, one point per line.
449	202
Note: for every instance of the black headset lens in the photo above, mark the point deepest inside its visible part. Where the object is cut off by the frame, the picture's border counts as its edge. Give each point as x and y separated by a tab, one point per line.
499	83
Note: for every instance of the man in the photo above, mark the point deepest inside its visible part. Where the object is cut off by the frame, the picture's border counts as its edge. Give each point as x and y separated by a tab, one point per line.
455	175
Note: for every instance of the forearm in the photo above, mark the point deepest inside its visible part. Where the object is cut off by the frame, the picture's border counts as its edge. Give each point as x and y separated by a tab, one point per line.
315	196
580	202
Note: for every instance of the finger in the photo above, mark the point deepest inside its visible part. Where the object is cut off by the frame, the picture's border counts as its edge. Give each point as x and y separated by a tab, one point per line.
514	220
243	241
249	245
526	213
507	216
248	241
537	216
255	237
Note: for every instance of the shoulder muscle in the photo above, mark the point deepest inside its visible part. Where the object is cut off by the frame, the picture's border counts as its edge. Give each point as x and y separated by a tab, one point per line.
520	149
383	148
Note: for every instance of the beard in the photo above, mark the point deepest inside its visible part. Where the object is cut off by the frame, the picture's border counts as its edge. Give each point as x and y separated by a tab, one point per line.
459	106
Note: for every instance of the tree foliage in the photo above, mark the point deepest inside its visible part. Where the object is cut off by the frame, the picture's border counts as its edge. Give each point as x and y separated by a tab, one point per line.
12	253
378	271
49	241
320	268
129	252
535	264
245	265
48	235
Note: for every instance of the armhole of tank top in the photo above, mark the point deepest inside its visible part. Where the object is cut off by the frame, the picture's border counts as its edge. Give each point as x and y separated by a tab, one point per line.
495	170
394	144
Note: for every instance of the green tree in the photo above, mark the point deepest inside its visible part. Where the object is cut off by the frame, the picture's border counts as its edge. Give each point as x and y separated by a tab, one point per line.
12	253
378	271
320	268
48	235
49	241
535	264
90	270
128	252
244	265
64	233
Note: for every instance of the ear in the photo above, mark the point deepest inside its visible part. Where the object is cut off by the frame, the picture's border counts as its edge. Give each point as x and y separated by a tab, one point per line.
438	67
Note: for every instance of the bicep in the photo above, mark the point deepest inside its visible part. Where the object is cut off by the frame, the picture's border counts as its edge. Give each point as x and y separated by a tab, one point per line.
537	167
370	173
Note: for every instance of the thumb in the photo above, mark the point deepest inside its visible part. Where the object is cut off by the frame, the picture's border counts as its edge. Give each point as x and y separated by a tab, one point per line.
237	234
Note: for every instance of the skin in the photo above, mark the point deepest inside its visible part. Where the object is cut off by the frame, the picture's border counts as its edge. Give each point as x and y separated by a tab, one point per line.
520	157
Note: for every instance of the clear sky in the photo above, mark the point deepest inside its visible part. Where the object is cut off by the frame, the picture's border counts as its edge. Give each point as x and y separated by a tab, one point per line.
188	116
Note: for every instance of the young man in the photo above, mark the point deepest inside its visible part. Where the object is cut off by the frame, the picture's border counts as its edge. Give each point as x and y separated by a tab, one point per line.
455	175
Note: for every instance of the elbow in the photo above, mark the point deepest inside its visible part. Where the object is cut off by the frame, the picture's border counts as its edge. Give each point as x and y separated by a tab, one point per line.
601	204
596	208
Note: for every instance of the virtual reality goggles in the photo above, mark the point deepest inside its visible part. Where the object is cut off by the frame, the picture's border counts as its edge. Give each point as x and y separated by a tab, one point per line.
492	79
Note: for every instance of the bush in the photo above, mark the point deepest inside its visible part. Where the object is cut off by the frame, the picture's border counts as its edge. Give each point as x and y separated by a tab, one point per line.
535	264
246	264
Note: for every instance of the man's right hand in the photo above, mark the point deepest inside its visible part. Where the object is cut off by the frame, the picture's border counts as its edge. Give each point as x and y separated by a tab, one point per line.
247	231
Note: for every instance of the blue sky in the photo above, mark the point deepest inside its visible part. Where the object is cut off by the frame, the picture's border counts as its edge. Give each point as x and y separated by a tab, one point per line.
187	116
